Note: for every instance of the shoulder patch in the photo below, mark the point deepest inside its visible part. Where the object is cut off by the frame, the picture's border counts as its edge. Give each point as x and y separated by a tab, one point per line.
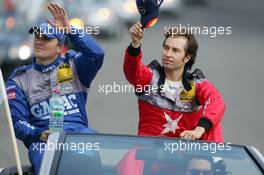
188	96
198	74
19	71
65	73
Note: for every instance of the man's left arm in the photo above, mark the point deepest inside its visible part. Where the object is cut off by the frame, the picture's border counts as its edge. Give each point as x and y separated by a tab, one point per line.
90	59
213	107
212	102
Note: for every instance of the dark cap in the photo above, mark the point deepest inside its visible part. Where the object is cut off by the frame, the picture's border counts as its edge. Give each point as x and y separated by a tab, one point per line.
49	31
149	11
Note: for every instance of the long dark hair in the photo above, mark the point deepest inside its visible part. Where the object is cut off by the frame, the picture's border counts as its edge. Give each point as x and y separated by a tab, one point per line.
191	44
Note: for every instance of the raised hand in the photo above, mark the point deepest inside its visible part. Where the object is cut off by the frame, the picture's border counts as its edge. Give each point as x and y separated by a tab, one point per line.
137	34
60	16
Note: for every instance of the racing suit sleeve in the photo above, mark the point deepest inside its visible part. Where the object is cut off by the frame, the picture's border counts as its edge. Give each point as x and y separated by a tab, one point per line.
91	58
213	104
20	114
135	71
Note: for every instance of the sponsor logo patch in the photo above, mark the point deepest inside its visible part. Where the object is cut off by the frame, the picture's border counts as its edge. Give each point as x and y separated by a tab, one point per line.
188	96
65	73
67	88
11	88
42	110
11	95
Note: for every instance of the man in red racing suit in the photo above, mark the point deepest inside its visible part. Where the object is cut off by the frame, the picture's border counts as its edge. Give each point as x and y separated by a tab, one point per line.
172	101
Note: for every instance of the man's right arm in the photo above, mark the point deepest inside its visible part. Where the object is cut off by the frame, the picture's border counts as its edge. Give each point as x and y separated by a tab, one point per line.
20	114
135	71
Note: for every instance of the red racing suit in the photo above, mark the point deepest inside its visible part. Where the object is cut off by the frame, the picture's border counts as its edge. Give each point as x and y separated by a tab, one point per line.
199	104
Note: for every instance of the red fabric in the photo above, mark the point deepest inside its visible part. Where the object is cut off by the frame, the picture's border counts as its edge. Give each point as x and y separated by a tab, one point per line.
135	71
128	165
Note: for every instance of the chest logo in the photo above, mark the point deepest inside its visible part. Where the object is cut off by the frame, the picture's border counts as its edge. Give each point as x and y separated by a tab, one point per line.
171	125
65	73
188	96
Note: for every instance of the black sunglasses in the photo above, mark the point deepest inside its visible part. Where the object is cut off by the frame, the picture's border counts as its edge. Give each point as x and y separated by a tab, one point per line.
199	172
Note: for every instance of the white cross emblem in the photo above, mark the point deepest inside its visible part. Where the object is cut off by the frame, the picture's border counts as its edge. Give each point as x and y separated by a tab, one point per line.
171	125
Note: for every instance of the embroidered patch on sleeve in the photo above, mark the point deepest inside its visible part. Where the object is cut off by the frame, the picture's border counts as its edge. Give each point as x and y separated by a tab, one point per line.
11	95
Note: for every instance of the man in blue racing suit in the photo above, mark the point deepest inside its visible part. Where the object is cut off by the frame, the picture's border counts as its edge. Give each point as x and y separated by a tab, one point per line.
29	87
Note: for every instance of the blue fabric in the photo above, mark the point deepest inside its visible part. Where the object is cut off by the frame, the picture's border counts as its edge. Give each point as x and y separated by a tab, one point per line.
90	61
20	112
35	155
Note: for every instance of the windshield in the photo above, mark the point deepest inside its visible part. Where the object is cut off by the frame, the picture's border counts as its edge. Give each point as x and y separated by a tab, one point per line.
151	156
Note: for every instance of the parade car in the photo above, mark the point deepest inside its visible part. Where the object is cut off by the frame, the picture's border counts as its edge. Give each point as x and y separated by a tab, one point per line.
105	154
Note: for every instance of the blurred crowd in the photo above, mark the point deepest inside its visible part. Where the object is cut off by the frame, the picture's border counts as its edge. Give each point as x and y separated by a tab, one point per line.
105	19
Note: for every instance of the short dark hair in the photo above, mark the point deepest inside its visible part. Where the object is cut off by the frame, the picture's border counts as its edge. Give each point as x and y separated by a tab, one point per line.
188	159
203	157
191	45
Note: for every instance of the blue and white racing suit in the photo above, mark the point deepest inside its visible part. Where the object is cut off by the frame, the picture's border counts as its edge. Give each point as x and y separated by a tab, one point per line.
29	91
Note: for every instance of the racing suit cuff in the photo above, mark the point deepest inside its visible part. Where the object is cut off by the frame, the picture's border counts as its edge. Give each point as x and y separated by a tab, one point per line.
134	51
205	123
38	133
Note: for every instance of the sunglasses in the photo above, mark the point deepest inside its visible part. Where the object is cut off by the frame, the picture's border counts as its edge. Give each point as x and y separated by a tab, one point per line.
199	172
